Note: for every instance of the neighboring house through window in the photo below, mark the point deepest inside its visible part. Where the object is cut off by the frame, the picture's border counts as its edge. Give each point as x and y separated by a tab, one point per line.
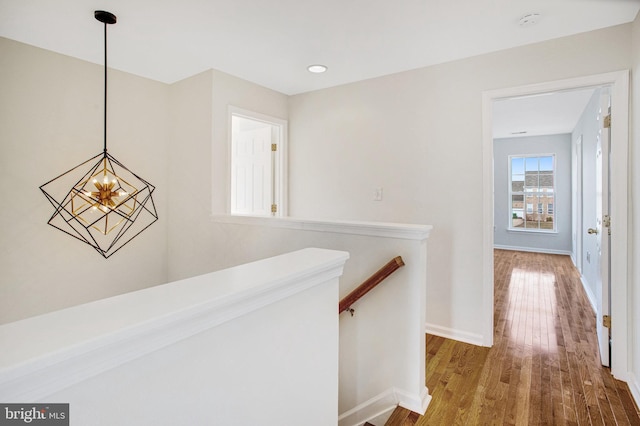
532	183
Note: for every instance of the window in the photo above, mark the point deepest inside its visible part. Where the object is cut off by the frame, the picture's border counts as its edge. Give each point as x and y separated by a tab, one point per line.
257	146
532	183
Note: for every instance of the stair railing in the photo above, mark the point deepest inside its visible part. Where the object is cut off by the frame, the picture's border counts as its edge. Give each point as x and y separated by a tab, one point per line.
369	284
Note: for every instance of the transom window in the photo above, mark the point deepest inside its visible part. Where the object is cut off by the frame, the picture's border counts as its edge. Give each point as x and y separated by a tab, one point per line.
532	183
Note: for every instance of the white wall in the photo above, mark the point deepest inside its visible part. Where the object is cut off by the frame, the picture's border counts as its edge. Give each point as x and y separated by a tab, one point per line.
51	119
197	244
557	242
634	381
199	172
587	128
418	135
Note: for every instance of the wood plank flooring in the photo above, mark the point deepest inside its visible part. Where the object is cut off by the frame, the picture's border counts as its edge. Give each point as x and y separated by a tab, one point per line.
544	367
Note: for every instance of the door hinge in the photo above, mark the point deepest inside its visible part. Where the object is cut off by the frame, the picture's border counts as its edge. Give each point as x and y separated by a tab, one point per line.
606	321
274	147
607	122
274	208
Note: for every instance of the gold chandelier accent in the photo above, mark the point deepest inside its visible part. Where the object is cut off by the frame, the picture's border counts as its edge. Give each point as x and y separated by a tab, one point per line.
111	194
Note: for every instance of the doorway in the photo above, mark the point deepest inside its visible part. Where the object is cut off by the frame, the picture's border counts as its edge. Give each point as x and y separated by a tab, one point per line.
619	83
258	178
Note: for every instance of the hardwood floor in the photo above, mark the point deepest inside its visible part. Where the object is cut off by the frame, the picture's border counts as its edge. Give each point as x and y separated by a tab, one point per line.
544	367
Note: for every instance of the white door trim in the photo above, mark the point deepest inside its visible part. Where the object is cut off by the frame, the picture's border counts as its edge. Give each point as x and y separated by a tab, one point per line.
576	201
280	167
619	82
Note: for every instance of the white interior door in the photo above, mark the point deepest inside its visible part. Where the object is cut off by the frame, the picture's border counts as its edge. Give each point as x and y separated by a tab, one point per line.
251	170
601	232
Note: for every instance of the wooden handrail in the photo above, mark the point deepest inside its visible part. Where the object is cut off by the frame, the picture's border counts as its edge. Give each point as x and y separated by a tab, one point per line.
370	283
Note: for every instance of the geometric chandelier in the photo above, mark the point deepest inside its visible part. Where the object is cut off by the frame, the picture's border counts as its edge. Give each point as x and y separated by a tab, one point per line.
101	202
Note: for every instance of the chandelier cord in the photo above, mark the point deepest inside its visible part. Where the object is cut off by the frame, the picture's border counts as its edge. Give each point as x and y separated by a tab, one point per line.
105	87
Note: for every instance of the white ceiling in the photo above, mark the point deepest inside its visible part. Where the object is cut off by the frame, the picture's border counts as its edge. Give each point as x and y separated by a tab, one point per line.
271	42
545	114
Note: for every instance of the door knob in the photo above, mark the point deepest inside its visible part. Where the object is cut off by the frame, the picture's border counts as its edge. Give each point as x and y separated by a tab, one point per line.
592	231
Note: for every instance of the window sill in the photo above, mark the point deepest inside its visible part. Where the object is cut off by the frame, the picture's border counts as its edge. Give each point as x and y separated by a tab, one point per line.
533	231
377	229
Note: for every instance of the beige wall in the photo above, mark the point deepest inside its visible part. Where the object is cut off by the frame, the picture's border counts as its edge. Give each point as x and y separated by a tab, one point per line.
189	181
418	135
199	173
50	121
634	382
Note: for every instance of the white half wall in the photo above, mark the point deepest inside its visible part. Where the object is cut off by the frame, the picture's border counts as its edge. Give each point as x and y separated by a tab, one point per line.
254	344
382	347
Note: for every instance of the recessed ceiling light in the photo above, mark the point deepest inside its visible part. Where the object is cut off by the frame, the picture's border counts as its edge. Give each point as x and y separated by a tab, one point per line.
528	20
316	69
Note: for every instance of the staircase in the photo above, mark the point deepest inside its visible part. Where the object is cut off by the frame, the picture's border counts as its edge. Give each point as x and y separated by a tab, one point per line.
400	417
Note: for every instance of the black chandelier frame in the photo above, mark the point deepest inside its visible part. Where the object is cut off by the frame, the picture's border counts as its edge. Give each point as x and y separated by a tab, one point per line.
108	205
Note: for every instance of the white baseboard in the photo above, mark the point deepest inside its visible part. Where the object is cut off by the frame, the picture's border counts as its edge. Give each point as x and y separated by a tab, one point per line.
372	408
533	249
634	387
589	292
459	335
383	405
416	403
573	260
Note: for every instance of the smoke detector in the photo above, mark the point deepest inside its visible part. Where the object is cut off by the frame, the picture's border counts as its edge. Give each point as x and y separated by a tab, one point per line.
529	20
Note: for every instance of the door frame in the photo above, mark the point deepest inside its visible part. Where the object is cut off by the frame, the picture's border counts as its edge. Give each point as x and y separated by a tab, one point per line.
281	172
619	82
577	177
